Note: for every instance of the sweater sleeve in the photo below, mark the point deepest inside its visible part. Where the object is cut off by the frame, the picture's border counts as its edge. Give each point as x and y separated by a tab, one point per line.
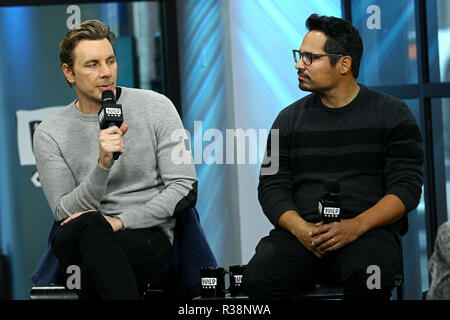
276	189
63	194
180	183
404	156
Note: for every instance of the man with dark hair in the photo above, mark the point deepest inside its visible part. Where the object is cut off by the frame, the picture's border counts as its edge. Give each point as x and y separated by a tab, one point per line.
341	37
117	216
369	143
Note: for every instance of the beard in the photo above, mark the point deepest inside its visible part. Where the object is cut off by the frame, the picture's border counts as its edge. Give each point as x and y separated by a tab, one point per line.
303	86
93	96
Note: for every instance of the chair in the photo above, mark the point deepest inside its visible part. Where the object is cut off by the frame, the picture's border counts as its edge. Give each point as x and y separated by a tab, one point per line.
335	291
5	285
191	251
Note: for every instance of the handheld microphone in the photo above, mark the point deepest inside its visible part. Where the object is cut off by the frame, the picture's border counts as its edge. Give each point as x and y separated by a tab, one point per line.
330	202
110	114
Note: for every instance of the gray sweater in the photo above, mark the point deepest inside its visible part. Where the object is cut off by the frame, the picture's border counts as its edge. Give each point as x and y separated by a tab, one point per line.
144	188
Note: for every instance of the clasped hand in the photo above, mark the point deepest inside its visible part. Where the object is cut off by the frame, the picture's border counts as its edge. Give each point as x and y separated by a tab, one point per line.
332	236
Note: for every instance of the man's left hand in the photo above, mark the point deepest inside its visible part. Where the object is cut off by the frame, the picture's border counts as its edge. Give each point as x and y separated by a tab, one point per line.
335	235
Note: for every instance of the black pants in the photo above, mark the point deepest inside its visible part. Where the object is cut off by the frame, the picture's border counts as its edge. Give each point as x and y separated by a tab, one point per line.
114	265
282	267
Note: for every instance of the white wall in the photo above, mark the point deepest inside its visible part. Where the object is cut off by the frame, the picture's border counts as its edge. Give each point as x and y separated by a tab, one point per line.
256	79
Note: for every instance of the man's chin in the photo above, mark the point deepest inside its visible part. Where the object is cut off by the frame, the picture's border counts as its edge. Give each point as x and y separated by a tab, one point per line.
302	86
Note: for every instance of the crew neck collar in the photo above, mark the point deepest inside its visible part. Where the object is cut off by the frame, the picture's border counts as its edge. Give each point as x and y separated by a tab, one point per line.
92	117
351	105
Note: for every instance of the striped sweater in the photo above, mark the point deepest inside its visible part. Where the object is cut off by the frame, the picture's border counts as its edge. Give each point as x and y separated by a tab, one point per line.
372	147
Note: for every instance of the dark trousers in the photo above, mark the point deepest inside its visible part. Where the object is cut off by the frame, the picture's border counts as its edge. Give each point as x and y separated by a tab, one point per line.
114	265
282	267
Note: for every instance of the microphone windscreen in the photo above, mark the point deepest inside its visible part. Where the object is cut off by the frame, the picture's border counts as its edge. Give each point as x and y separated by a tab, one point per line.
108	97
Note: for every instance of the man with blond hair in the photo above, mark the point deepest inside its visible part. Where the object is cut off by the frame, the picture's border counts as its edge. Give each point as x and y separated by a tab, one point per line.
116	216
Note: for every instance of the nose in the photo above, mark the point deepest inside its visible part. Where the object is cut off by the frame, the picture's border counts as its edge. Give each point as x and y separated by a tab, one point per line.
105	71
300	64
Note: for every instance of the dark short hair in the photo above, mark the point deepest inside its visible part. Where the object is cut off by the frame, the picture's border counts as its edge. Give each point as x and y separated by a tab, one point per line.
343	38
90	30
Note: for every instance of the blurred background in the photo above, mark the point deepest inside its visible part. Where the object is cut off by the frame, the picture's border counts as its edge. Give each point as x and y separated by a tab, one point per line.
228	64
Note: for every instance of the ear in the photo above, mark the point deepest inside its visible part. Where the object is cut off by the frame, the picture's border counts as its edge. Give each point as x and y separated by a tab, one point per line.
68	73
345	64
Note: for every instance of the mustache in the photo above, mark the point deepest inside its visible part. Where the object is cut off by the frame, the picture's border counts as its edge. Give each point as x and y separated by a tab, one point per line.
303	75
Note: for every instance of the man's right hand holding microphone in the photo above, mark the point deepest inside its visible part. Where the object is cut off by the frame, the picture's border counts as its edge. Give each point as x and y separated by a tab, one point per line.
110	141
